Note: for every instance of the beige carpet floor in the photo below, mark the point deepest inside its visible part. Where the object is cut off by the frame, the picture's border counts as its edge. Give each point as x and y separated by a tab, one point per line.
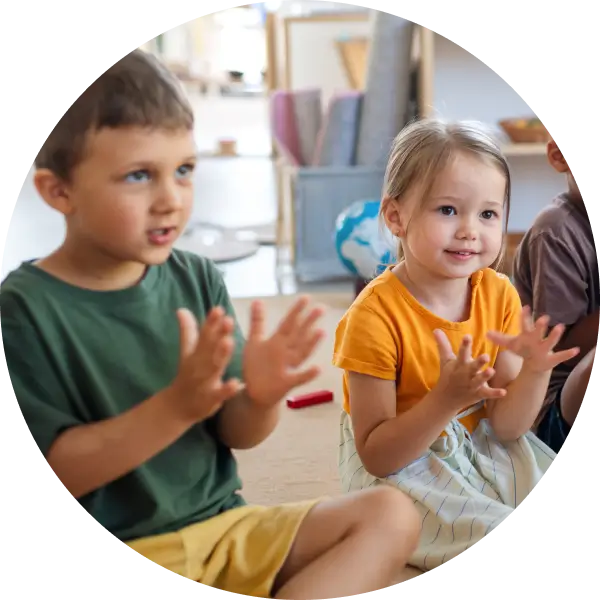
299	460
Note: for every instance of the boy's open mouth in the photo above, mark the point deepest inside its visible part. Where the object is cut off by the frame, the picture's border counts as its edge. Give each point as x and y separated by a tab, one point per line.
162	236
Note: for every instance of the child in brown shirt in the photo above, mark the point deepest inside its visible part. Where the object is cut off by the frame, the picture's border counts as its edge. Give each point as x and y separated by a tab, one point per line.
556	273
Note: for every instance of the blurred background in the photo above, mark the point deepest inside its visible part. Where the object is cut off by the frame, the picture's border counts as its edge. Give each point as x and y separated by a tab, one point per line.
296	104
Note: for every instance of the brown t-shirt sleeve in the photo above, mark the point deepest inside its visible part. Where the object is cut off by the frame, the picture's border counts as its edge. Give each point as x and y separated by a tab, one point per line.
558	280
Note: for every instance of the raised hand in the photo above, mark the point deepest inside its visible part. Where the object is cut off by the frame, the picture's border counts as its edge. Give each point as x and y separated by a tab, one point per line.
198	389
462	381
533	345
271	364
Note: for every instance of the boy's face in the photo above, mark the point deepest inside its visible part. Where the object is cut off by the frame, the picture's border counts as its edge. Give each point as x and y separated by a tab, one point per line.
130	197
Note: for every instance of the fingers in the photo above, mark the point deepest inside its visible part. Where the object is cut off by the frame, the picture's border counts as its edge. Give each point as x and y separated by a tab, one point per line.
465	352
479	363
216	325
188	332
527	320
490	393
314	315
444	348
257	321
308	347
501	339
563	356
302	377
483	377
228	389
554	337
541	327
290	322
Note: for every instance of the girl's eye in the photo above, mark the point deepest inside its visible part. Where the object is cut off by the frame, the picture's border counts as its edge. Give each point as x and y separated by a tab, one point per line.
137	176
185	171
488	214
447	211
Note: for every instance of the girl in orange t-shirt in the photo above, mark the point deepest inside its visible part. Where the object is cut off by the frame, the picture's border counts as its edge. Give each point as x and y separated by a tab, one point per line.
444	372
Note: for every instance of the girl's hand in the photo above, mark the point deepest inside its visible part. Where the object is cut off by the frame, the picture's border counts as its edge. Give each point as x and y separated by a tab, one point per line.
462	381
532	344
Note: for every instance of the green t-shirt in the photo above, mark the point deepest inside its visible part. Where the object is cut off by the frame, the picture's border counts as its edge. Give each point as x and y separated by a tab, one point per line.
77	356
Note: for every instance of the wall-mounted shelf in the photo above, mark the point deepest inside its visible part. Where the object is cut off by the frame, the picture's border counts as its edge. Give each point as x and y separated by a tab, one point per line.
454	84
525	149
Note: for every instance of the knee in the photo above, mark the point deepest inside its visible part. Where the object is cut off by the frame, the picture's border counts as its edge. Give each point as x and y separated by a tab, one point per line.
393	513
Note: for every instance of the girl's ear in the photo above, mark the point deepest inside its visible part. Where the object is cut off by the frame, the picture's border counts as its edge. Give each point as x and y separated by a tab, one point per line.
390	209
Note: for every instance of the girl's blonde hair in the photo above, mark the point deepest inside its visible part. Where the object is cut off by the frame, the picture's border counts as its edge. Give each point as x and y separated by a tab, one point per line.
423	149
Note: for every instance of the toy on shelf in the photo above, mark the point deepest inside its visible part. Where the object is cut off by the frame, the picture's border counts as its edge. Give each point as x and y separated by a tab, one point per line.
304	400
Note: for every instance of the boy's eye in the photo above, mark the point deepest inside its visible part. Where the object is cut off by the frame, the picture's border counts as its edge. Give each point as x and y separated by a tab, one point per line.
488	214
137	176
185	170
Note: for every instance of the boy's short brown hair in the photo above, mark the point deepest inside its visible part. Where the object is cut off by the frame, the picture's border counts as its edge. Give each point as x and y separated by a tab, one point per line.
138	90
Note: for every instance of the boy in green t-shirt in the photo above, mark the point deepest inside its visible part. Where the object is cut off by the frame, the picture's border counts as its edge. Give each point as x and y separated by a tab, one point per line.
127	363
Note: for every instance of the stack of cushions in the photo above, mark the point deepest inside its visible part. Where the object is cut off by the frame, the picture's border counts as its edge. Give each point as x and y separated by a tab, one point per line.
306	137
357	127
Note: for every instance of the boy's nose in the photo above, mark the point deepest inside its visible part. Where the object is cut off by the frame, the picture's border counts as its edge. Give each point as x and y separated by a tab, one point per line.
168	199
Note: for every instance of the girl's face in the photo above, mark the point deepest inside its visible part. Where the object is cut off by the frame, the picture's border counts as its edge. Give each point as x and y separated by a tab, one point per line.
457	229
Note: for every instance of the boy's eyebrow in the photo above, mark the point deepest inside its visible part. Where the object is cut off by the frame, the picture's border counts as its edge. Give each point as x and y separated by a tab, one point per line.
147	163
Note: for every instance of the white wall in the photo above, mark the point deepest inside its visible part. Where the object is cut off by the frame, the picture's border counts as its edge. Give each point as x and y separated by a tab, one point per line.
314	60
465	88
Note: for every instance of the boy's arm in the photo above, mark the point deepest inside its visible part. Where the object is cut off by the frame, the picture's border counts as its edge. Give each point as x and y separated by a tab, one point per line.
242	424
559	289
88	457
582	335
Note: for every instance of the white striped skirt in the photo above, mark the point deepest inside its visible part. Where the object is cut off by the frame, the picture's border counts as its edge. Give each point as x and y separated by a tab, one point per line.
463	487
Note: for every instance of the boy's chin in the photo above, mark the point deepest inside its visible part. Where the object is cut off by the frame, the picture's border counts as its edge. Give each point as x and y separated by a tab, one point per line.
157	256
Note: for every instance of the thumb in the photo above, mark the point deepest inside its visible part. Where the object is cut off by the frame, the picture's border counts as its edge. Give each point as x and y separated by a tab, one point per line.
188	332
444	348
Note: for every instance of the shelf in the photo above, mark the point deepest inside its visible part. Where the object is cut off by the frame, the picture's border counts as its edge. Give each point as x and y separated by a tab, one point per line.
525	149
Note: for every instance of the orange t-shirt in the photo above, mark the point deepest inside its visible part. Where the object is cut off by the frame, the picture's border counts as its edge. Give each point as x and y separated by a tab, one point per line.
388	334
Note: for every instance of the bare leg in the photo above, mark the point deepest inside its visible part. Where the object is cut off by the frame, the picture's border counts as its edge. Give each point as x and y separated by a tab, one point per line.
350	545
575	387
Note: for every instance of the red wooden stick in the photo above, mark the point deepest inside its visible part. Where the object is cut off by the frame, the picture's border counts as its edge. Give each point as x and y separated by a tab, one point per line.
319	397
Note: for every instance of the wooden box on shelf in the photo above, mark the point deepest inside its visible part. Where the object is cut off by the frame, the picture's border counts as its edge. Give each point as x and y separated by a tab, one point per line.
525	131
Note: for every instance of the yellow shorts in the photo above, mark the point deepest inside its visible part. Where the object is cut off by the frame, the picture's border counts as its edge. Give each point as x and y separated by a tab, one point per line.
240	551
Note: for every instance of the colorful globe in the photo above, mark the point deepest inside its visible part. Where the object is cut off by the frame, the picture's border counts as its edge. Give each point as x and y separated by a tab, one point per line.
362	244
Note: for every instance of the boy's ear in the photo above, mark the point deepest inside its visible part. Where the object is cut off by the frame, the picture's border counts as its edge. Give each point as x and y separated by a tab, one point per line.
390	210
556	158
53	190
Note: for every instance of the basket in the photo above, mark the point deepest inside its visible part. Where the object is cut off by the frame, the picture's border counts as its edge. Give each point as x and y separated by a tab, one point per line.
525	131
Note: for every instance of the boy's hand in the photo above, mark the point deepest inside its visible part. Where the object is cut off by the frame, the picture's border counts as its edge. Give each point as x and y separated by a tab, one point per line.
269	364
198	389
532	344
462	382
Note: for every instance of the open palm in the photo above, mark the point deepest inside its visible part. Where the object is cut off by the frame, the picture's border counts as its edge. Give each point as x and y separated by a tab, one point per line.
533	345
271	365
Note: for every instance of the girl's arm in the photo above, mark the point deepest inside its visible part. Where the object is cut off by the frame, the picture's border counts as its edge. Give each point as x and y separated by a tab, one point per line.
513	416
387	442
524	369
